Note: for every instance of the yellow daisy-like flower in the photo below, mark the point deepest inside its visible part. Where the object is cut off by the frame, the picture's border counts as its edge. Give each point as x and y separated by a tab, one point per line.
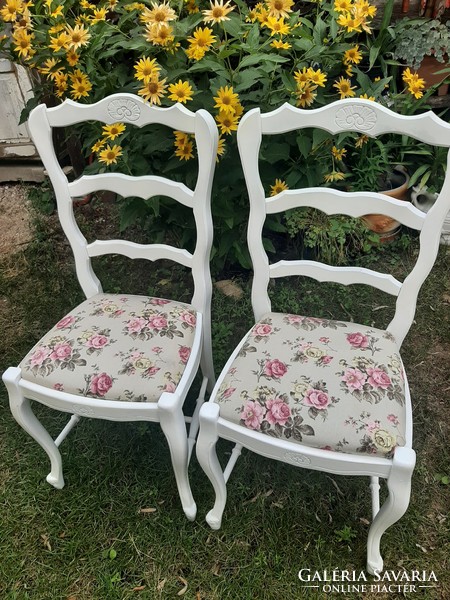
220	148
79	36
278	187
366	97
159	34
279	8
227	121
80	89
334	176
415	88
277	26
338	153
56	28
57	12
72	58
363	139
110	154
98	146
99	15
22	42
302	76
86	5
24	20
61	83
344	87
160	13
226	100
184	152
410	77
349	71
50	68
279	45
262	15
11	9
191	7
349	22
317	77
78	75
181	138
305	94
110	132
202	38
343	5
353	56
218	12
153	90
59	43
363	8
146	68
180	91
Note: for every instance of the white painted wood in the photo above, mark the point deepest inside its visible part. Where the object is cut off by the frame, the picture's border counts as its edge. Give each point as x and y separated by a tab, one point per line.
372	119
12	103
168	411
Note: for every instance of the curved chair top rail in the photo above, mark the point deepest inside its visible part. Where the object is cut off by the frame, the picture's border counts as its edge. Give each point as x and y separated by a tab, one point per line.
359	115
125	108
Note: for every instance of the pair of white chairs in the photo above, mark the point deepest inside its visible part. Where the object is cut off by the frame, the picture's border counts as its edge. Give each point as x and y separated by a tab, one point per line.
315	393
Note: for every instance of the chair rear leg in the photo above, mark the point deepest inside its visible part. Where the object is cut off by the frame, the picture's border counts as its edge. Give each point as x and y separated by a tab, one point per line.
24	415
207	457
399	486
173	425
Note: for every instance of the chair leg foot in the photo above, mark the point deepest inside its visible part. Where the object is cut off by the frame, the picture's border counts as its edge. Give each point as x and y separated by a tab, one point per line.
24	415
174	428
399	486
207	457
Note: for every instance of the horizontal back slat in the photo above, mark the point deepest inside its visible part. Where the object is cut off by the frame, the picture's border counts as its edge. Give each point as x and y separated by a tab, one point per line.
359	115
125	108
126	186
354	204
146	251
344	275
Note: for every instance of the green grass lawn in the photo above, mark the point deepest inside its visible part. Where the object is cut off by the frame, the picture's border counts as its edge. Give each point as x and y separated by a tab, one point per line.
95	539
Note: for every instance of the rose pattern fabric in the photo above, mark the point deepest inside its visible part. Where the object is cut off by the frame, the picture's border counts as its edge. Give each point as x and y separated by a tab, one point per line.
129	348
327	384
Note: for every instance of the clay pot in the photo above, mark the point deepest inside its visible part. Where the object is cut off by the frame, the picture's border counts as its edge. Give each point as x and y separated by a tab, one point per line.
386	227
427	71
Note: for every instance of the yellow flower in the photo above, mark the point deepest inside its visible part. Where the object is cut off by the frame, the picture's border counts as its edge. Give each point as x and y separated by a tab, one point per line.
410	77
159	34
159	14
363	139
279	8
11	9
98	146
334	176
218	12
227	122
191	7
278	187
146	68
185	152
180	91
342	5
56	28
262	16
110	132
80	89
22	40
99	15
181	138
79	36
78	76
72	58
60	83
57	12
153	90
338	154
279	45
220	148
349	22
364	9
317	77
200	43
110	154
349	70
305	94
352	55
345	88
277	26
302	76
366	97
50	68
59	43
415	88
226	100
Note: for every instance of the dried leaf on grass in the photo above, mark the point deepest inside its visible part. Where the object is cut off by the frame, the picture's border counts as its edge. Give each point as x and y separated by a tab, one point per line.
46	541
138	588
145	511
161	584
229	288
184	589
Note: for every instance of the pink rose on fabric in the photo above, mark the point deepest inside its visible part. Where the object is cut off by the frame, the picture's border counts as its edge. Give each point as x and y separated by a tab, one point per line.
189	318
324	340
294	319
358	340
378	378
275	368
262	329
100	384
393	419
152	371
158	302
354	379
61	352
184	352
278	411
372	426
326	448
325	360
169	387
316	399
157	322
97	341
228	392
59	387
136	325
157	349
39	356
252	414
65	322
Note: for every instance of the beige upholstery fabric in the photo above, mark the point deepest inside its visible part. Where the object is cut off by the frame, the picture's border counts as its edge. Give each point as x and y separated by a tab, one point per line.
116	347
328	384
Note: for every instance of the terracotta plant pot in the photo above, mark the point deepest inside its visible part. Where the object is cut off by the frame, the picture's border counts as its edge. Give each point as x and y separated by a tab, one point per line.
427	71
385	226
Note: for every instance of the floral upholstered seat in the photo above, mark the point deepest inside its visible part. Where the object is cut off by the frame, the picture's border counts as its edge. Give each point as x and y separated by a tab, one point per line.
328	384
95	349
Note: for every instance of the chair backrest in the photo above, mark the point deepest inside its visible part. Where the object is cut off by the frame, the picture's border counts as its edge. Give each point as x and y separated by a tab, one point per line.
365	117
131	109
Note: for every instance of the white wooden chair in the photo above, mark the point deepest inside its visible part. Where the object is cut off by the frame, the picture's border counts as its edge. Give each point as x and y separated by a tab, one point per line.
317	393
124	357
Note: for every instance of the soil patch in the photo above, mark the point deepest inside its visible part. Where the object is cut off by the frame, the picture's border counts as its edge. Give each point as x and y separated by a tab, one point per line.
15	221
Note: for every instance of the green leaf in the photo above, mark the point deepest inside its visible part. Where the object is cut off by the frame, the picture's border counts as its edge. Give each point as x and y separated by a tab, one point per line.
304	144
319	136
253	37
233	25
243	81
